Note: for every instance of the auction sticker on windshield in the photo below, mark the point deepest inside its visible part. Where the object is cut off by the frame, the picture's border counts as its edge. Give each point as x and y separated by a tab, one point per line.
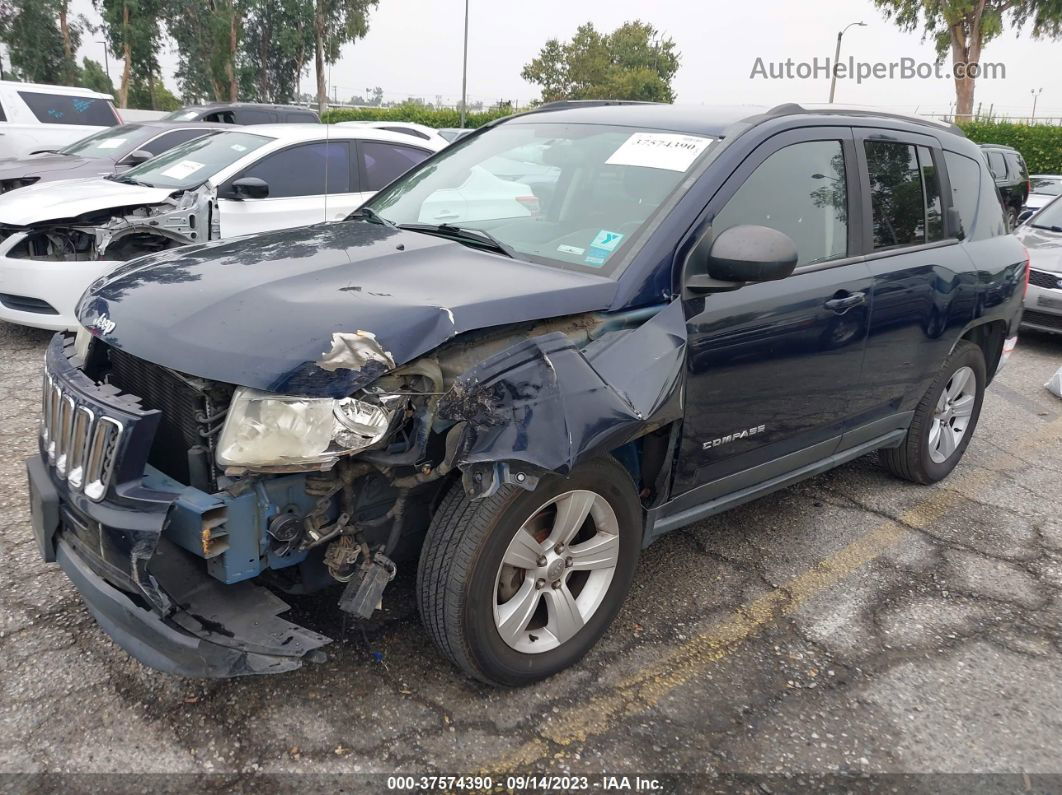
110	143
669	151
182	170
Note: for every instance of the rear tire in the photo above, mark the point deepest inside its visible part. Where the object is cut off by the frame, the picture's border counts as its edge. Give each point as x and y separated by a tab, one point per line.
944	420
504	595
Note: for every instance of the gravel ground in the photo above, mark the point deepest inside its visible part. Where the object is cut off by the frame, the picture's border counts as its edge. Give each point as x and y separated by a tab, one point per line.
851	624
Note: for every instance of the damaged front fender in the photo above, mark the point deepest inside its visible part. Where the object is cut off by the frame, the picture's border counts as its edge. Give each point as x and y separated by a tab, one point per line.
546	404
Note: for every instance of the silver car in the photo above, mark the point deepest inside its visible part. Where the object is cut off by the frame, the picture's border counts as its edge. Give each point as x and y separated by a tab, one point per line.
1042	236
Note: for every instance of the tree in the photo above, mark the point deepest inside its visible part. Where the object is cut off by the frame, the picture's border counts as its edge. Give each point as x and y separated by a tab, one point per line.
40	40
94	78
964	27
134	35
207	34
632	62
335	23
151	95
277	42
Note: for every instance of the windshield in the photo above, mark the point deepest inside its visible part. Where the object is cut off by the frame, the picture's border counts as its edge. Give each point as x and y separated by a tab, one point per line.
567	195
1050	217
1050	187
112	142
193	163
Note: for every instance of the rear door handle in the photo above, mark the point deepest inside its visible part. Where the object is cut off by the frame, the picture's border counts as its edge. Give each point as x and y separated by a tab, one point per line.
842	305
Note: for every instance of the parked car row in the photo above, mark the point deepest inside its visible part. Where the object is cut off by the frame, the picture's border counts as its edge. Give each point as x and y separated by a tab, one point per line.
511	369
155	186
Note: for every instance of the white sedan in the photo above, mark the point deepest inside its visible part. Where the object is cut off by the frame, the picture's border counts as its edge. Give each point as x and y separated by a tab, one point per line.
58	237
1043	188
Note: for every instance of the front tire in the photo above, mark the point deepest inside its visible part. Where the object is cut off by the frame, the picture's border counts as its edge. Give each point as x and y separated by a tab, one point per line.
944	420
520	585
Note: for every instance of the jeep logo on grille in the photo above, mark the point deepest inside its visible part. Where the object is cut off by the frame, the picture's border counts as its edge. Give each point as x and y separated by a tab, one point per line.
103	324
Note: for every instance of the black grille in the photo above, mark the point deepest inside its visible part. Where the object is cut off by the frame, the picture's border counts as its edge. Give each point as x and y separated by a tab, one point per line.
23	303
159	388
1042	319
1042	279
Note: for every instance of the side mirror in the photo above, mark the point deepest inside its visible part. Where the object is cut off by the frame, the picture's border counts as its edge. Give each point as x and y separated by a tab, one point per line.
745	253
136	157
1025	215
246	188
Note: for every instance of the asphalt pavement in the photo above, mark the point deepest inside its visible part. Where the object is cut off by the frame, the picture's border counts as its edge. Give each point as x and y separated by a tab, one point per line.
853	624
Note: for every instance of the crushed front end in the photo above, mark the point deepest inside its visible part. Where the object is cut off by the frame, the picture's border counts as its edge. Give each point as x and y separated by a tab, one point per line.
150	555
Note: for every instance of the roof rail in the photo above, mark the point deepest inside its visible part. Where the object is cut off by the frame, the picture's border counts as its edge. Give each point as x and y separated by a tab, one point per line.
790	108
562	104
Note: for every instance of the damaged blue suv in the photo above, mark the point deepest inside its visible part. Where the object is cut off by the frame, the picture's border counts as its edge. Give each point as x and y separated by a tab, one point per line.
511	370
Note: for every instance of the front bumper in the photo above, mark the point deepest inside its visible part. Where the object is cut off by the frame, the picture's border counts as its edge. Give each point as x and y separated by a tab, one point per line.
58	284
176	619
1043	309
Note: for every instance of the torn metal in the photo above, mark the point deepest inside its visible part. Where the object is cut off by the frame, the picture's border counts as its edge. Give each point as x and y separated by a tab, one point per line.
353	351
123	233
548	404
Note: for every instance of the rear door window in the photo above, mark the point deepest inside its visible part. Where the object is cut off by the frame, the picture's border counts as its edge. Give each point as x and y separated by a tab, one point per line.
306	170
255	116
997	165
67	109
800	190
383	162
904	195
297	117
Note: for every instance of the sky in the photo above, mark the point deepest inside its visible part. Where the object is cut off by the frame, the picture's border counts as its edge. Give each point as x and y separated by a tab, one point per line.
413	48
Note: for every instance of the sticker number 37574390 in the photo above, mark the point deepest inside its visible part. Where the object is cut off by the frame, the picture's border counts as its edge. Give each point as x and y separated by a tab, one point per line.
670	151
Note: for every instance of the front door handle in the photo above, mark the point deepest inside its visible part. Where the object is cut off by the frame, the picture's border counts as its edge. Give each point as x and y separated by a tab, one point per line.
842	305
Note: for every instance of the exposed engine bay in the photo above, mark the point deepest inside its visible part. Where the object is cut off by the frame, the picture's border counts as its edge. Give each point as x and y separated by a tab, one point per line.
122	233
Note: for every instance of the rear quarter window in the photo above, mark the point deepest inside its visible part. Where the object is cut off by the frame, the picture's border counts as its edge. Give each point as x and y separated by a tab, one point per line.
980	213
1015	166
66	109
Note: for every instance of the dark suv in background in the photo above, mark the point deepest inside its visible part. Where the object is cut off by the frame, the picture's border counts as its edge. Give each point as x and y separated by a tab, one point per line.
245	113
512	388
1011	177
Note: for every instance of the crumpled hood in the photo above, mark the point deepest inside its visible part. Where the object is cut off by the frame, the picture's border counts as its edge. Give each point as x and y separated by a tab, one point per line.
320	310
51	165
1045	248
69	198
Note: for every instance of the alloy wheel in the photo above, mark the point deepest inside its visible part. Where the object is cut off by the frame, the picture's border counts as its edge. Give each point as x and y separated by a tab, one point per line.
951	418
556	571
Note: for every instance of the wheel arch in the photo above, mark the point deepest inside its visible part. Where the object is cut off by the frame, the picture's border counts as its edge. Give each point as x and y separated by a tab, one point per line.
989	336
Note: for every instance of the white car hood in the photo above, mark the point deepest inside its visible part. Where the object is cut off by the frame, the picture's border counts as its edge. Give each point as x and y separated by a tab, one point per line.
1037	200
48	201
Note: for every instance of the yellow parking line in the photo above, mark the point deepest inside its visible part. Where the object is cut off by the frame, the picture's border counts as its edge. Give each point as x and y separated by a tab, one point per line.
646	688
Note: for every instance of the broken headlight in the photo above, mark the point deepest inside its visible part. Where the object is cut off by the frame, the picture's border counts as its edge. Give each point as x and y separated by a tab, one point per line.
267	431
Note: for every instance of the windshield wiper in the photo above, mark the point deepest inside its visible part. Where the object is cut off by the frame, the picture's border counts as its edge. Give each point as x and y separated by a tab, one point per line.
127	180
1048	228
464	234
371	216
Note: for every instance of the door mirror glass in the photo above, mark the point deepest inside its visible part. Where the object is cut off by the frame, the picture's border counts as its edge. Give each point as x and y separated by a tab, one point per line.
136	157
247	188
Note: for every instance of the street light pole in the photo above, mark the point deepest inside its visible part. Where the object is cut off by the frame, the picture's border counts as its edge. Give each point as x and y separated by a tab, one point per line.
1036	95
106	60
464	71
837	56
